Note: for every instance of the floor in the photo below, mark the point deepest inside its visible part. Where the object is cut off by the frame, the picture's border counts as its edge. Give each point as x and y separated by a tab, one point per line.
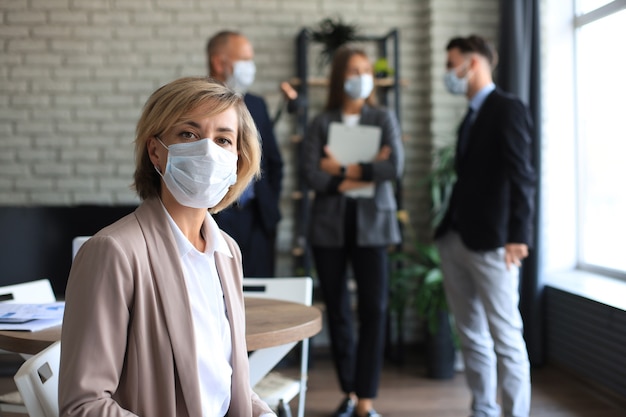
406	392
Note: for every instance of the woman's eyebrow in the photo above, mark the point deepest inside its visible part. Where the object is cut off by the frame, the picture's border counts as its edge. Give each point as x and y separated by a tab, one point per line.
190	123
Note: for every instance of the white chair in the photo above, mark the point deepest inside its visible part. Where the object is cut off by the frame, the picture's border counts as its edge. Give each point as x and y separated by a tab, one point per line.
33	292
273	387
37	381
77	242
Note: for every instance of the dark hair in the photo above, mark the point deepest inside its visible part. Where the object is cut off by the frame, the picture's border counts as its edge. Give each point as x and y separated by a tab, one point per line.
336	94
475	44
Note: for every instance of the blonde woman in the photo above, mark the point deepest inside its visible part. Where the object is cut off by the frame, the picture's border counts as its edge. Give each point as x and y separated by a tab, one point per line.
154	320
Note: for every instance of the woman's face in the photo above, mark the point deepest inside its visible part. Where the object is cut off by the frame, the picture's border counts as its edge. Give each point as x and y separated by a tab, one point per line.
358	65
221	128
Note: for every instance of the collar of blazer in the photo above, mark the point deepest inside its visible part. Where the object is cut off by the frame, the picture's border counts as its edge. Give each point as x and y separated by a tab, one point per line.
172	293
367	111
490	102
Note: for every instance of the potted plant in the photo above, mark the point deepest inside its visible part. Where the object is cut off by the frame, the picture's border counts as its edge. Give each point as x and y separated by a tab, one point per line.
417	271
332	34
431	304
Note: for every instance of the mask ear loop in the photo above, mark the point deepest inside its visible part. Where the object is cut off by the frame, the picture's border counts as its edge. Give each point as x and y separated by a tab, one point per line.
161	142
156	167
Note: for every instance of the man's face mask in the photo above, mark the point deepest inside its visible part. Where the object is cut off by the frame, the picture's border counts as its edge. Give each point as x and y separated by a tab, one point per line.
455	84
242	77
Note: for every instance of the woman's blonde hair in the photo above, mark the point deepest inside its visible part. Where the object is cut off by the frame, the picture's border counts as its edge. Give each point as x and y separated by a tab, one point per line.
170	106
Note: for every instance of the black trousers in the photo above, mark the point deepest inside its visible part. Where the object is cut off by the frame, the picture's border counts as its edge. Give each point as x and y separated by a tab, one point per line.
357	348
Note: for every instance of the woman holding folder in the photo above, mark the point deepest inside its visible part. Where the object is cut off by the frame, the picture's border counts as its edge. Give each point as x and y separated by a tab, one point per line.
353	221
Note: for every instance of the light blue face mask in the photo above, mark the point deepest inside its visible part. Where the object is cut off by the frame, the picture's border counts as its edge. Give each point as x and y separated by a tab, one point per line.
359	86
199	174
242	77
454	84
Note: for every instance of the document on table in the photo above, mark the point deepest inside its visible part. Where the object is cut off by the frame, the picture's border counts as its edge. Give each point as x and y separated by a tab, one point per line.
30	317
354	144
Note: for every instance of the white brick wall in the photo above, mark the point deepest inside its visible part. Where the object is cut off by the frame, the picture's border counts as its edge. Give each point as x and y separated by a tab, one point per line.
75	73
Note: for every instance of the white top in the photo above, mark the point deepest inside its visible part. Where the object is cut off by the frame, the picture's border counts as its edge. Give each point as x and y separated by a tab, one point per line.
350	119
210	323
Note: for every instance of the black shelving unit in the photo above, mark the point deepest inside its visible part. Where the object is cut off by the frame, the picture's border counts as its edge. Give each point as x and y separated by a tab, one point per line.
387	47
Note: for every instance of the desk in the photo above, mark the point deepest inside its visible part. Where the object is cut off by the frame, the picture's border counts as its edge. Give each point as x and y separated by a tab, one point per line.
268	323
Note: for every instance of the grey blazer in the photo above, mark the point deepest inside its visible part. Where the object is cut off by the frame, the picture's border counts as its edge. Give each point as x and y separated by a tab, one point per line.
377	223
127	346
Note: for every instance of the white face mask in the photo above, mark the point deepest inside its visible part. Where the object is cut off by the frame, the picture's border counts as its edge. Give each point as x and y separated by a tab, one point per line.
455	84
242	77
199	174
359	86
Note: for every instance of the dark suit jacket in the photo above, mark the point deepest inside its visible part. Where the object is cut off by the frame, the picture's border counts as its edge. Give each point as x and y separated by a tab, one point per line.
492	201
267	189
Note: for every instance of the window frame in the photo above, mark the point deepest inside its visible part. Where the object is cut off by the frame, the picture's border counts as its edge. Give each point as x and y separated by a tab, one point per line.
579	21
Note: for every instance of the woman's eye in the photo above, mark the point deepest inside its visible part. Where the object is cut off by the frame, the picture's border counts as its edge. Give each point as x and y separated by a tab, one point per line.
188	135
223	141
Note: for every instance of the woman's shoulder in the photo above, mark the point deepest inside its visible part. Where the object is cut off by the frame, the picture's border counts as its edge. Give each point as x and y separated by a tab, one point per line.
130	231
120	227
326	116
377	114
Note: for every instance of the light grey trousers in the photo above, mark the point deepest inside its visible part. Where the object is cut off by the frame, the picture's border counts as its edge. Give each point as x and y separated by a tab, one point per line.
483	297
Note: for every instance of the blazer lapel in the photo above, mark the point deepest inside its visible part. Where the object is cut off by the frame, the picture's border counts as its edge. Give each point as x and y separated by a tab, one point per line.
474	127
172	293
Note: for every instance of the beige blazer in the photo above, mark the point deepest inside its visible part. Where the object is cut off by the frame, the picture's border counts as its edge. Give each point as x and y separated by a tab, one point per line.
127	345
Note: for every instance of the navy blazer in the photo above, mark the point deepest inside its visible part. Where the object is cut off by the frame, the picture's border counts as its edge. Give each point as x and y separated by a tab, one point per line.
492	201
267	188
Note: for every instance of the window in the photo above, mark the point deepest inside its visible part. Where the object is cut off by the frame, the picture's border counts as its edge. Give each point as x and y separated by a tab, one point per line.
586	6
600	30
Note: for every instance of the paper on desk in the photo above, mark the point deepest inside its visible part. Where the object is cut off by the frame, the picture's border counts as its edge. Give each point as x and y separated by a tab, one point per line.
30	317
354	144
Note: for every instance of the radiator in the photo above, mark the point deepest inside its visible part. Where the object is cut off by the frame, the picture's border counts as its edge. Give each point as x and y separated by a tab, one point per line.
587	338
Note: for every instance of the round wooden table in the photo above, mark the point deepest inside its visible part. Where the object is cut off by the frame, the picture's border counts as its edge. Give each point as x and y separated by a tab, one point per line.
272	322
268	323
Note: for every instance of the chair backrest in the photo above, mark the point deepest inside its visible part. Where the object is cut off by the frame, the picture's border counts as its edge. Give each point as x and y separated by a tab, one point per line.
77	242
294	289
33	292
37	381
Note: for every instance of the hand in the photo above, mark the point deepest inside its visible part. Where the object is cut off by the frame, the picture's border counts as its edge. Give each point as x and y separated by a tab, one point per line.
383	154
289	92
514	253
329	163
349	184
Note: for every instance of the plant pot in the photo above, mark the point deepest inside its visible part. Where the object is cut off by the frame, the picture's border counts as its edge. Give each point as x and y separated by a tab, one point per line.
440	350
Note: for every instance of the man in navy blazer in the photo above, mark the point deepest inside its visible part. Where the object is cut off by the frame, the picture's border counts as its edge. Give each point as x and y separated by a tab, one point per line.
487	230
252	221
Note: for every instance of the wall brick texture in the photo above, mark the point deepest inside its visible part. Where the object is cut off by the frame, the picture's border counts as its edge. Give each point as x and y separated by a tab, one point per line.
74	75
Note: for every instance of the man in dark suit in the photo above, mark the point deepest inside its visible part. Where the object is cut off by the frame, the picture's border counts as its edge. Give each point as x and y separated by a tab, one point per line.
487	230
253	220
